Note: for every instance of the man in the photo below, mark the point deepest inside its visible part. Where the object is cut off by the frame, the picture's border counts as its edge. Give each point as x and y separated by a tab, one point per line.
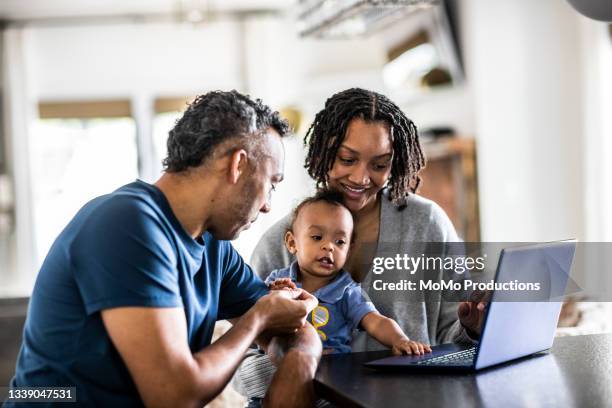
125	303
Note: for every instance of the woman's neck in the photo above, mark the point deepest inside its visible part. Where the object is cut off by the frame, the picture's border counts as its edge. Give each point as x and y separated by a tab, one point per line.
368	212
367	230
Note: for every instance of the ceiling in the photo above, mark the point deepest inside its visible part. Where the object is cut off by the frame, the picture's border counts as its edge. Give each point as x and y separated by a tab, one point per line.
23	10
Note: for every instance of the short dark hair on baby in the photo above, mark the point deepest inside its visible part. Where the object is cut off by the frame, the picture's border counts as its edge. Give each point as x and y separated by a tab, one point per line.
332	197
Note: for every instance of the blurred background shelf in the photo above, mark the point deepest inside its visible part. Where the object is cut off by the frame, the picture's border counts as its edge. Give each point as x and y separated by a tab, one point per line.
450	180
12	317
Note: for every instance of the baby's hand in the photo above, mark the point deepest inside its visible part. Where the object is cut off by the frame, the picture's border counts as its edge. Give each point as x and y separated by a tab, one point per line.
282	283
406	346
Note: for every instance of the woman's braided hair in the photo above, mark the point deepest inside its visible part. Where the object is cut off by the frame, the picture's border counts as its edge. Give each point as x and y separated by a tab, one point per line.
328	131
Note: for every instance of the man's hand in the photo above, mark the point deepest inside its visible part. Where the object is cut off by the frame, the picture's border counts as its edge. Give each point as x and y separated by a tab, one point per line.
471	313
406	346
284	311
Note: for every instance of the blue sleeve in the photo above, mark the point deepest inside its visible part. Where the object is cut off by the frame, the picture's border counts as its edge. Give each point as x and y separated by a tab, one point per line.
276	274
356	306
122	257
240	288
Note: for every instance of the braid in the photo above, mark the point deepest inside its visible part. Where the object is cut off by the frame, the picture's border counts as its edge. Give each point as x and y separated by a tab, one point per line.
328	130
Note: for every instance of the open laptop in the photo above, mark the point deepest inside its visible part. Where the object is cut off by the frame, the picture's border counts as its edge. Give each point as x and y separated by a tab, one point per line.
511	329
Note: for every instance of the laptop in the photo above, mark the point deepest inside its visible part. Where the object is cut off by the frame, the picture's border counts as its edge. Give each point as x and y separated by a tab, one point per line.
511	329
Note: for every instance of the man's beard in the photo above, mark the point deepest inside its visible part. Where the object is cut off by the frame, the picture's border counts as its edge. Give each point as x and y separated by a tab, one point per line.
241	210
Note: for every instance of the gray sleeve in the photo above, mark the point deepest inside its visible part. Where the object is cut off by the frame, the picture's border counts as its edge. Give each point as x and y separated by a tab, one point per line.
449	328
254	374
270	252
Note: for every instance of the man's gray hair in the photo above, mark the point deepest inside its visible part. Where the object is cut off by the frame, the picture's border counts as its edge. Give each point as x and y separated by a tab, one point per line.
216	117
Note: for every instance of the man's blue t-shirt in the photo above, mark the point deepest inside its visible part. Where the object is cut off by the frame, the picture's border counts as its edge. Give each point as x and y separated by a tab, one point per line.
124	249
342	306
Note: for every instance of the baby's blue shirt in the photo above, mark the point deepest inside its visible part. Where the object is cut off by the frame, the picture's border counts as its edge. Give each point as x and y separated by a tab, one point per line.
341	307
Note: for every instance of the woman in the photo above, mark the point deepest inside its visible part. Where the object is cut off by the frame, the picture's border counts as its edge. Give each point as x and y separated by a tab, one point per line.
363	145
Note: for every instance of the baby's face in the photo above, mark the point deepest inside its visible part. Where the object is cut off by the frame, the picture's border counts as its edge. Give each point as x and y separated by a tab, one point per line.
320	238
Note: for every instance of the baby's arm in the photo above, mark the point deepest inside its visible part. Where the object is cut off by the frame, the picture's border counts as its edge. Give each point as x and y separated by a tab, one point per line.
389	333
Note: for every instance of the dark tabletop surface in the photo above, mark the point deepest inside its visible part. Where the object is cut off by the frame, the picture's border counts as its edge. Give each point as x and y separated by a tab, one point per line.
577	372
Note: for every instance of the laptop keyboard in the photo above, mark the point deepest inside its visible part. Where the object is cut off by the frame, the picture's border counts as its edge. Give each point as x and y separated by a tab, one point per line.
465	357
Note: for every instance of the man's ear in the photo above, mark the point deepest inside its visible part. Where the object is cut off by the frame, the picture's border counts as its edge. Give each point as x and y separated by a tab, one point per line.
237	165
290	242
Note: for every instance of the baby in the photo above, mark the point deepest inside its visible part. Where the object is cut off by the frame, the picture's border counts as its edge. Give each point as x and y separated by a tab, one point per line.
320	236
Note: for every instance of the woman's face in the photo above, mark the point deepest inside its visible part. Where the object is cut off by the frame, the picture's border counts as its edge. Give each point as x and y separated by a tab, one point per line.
363	163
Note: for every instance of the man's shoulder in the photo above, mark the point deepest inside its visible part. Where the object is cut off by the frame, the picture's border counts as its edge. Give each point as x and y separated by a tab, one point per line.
137	196
125	214
124	206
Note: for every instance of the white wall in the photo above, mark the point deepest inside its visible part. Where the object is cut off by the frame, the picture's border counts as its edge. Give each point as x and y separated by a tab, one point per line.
18	113
597	128
125	60
526	82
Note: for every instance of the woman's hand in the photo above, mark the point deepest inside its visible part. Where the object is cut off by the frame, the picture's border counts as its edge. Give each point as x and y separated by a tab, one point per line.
406	346
471	313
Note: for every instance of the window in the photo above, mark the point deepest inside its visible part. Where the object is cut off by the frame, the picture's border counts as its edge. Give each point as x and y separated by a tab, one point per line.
162	124
77	152
167	112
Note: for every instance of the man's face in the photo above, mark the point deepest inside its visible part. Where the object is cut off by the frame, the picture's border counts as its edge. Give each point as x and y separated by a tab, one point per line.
252	194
